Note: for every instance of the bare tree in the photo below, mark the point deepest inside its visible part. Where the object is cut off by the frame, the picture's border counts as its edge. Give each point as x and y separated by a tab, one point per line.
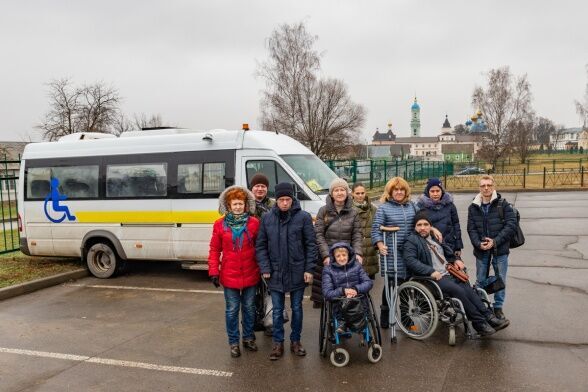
582	109
523	137
122	124
99	108
142	121
505	102
62	118
557	135
544	128
91	108
317	112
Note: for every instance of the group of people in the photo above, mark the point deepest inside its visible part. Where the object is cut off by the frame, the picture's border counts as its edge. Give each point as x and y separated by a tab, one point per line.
274	239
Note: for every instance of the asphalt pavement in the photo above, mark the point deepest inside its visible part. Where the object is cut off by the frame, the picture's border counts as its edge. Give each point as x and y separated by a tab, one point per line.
160	328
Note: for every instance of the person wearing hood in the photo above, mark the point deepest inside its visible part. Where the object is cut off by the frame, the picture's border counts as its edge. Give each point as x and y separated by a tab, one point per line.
286	253
337	221
232	264
366	211
344	277
442	212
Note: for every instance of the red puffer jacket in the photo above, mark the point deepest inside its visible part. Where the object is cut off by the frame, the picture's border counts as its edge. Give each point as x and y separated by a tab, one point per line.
238	268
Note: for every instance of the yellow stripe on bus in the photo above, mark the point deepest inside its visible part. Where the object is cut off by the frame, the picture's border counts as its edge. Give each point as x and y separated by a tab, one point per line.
147	216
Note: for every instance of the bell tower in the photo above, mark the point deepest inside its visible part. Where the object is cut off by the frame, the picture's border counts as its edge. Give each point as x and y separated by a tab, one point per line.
415	122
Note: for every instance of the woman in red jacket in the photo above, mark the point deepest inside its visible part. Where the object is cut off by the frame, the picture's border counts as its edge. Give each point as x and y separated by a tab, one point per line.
236	270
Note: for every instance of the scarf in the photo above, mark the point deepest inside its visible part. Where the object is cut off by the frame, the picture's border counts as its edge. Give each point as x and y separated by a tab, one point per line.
362	206
238	226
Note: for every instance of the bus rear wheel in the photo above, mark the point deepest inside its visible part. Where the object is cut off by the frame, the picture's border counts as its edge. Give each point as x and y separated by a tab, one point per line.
102	260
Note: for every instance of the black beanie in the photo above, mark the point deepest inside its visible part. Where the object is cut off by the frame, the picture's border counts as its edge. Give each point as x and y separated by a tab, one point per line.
284	189
431	183
259	178
422	214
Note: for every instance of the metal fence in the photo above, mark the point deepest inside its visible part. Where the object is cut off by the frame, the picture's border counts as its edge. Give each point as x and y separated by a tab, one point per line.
9	242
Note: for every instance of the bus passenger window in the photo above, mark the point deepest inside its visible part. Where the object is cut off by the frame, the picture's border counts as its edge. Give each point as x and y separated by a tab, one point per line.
77	182
214	177
148	180
38	182
190	178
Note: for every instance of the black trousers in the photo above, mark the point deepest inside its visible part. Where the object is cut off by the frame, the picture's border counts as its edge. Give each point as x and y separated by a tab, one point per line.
472	304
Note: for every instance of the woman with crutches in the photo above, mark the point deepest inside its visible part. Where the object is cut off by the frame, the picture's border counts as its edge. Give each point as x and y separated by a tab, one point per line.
393	222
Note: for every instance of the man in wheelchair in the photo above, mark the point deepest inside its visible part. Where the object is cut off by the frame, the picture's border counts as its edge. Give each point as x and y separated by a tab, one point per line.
344	277
425	256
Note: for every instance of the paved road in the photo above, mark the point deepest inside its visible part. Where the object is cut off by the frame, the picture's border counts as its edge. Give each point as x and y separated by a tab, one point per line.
160	328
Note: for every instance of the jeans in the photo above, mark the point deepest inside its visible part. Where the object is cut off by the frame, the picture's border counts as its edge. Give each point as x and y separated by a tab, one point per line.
500	266
278	300
472	304
236	299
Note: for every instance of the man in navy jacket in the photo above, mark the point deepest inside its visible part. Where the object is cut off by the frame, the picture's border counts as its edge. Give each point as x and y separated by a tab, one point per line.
286	252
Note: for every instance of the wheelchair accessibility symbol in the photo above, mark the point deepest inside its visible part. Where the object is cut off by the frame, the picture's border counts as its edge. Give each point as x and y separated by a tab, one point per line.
53	199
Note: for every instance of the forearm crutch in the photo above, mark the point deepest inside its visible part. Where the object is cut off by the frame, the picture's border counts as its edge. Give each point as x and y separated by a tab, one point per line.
391	297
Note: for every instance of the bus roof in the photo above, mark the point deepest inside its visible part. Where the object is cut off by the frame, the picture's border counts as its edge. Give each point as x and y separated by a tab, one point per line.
169	140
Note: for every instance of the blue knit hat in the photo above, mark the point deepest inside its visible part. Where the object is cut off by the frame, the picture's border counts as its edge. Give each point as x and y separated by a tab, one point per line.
431	183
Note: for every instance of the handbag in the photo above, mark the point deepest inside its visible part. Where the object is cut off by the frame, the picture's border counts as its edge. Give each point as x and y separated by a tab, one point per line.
493	283
458	274
268	318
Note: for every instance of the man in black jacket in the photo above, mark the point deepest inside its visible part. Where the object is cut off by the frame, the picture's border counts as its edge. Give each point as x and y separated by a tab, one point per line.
490	235
424	256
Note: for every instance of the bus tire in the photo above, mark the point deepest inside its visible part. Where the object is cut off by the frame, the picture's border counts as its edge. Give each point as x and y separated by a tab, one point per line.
102	260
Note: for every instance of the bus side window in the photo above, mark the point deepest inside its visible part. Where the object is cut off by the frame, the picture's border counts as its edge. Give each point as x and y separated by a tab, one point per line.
143	180
214	177
190	178
39	188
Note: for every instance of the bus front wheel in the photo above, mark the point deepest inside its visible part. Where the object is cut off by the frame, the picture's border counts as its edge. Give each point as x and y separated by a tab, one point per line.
102	260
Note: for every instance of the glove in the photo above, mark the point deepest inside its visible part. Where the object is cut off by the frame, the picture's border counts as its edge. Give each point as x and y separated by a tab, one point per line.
215	281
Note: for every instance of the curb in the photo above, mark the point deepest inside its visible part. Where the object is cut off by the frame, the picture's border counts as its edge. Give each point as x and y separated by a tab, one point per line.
29	287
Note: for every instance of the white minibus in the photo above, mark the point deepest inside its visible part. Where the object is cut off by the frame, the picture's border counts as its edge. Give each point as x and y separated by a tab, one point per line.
149	195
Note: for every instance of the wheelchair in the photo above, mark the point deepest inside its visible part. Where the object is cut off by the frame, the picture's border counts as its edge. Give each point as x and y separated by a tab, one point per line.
330	341
421	305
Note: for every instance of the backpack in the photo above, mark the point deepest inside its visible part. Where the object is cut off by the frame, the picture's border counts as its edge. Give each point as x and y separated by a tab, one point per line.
518	239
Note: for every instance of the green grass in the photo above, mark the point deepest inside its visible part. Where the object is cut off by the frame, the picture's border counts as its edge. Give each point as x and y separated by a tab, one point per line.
9	240
8	210
16	267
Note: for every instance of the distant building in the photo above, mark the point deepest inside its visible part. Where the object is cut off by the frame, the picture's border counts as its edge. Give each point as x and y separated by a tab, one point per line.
583	140
565	139
446	146
10	151
415	122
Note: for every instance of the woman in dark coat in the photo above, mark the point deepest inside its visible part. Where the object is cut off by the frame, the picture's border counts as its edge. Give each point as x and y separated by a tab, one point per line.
337	221
442	213
366	211
232	263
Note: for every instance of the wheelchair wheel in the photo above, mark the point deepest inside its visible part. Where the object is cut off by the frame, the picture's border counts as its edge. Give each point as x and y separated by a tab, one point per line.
374	323
416	310
452	335
375	353
324	334
339	357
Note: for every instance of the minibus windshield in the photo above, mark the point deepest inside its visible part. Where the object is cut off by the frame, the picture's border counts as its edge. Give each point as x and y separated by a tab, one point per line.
314	172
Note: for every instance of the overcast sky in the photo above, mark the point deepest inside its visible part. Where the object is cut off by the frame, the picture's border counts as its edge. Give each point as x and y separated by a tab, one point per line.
193	62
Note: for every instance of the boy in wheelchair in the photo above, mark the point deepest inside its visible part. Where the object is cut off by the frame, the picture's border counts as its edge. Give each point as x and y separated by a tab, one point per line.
344	277
426	257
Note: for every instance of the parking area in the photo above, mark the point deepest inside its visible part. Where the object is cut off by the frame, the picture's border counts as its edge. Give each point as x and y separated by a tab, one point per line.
162	328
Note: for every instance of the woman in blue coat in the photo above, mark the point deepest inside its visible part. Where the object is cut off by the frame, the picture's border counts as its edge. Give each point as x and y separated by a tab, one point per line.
442	213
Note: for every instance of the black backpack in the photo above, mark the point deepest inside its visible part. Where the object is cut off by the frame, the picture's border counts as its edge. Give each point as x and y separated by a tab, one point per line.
518	239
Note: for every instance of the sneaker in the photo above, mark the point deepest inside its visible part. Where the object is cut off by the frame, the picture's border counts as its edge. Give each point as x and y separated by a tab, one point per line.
499	313
297	349
485	329
498	323
235	351
277	351
249	345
